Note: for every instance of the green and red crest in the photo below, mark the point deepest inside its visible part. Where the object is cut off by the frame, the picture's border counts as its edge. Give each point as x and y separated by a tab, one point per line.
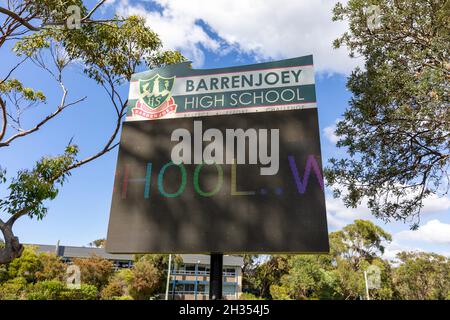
156	90
155	99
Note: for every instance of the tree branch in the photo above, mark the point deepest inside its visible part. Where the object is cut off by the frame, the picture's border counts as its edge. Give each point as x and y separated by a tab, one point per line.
41	123
108	146
16	216
5	121
13	69
19	19
87	17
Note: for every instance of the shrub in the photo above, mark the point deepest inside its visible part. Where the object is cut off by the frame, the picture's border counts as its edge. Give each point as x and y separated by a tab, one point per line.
145	280
58	290
123	298
95	270
13	289
47	290
249	296
26	266
85	292
118	286
52	268
3	274
113	290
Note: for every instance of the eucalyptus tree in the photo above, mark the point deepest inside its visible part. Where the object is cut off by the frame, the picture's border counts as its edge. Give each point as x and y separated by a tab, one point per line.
52	35
397	126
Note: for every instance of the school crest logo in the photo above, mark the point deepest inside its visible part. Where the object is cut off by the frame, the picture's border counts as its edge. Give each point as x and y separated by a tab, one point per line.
155	99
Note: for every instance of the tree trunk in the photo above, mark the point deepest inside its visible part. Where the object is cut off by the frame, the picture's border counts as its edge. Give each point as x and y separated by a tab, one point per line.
13	249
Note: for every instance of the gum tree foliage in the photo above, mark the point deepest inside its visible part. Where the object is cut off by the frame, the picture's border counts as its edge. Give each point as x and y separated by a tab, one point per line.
264	273
358	242
307	277
397	126
422	276
108	51
98	243
339	275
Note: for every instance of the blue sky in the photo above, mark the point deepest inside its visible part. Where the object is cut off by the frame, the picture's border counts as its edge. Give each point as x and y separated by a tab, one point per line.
211	34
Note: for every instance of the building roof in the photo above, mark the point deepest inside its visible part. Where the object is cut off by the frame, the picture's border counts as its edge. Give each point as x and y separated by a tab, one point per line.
86	252
81	252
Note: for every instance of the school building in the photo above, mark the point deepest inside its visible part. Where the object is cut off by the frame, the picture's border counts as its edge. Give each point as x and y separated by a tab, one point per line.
188	279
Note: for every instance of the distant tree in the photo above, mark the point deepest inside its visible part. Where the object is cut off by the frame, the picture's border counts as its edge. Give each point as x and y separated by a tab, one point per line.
99	243
349	283
118	286
361	240
354	249
145	280
339	275
385	288
279	292
95	270
248	271
397	127
421	276
308	277
107	51
269	273
161	263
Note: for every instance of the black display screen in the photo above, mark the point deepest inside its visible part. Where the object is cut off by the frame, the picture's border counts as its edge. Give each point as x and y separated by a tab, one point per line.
159	206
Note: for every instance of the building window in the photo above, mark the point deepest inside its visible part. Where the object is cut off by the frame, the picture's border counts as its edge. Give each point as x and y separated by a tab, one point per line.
229	290
202	288
190	267
229	272
188	288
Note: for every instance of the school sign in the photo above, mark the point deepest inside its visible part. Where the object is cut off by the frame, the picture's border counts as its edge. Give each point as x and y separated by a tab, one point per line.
179	91
232	165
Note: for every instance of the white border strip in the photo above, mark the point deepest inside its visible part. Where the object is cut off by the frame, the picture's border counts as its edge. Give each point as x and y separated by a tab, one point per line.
309	105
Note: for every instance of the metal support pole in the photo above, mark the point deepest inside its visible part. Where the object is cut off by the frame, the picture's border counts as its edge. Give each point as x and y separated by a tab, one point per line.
168	277
367	285
215	276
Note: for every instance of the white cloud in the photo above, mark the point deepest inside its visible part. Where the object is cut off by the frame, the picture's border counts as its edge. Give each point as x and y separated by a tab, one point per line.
330	133
176	29
434	203
392	249
335	222
433	231
340	211
270	29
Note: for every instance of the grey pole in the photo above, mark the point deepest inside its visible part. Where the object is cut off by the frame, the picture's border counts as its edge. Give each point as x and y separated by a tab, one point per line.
168	277
367	285
215	276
